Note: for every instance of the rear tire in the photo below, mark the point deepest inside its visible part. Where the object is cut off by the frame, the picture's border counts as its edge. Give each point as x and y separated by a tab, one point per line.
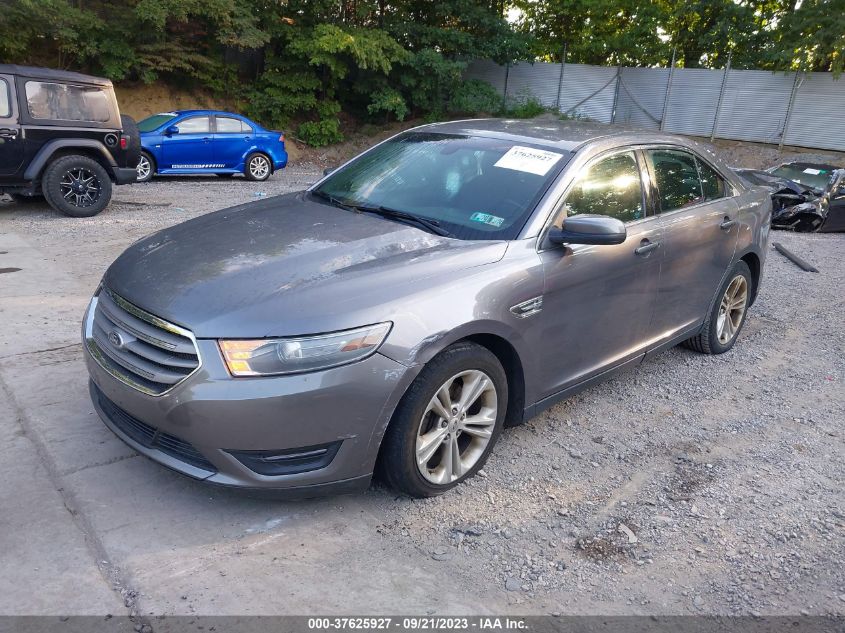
727	316
76	186
131	132
258	167
417	451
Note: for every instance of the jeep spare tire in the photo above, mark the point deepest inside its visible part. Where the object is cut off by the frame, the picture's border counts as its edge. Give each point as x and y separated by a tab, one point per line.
76	186
133	134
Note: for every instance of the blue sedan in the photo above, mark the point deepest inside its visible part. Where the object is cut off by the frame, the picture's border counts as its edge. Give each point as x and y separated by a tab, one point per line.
208	142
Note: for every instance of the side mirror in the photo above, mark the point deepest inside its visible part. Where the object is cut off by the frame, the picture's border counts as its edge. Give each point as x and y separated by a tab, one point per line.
589	229
171	130
328	170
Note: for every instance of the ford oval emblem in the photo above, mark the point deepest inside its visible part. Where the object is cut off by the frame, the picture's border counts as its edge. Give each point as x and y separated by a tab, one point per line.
116	339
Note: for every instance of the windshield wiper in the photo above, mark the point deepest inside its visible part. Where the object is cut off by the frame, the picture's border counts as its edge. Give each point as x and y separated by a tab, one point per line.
331	199
432	226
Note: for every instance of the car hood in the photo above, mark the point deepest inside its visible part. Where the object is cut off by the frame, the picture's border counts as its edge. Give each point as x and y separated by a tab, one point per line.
285	266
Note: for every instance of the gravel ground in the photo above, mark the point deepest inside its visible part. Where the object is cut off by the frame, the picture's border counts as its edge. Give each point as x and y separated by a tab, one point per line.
693	484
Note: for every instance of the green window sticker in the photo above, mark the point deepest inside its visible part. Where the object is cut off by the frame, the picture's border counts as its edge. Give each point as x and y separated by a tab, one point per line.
486	218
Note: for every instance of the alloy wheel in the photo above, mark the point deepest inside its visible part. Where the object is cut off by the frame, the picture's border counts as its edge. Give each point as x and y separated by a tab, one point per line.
143	168
732	309
80	187
456	427
259	167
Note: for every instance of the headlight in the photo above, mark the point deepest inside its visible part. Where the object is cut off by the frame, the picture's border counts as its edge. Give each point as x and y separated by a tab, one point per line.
267	357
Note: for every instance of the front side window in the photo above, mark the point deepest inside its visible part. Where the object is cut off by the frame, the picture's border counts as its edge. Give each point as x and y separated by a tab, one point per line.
194	125
677	179
5	104
63	102
611	186
228	125
472	186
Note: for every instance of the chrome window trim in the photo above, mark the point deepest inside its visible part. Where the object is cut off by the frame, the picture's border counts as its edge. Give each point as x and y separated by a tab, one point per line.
134	310
548	208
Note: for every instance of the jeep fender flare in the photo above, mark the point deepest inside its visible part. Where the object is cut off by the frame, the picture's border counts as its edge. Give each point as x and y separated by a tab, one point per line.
50	148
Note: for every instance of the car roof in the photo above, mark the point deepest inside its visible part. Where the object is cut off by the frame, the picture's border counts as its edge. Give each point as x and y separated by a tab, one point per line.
35	72
563	135
199	112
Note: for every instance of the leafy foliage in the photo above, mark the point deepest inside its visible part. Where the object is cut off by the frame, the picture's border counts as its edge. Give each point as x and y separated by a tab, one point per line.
300	63
473	97
773	34
389	101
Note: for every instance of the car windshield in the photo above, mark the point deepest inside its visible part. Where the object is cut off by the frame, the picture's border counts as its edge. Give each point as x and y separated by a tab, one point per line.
807	175
471	187
155	121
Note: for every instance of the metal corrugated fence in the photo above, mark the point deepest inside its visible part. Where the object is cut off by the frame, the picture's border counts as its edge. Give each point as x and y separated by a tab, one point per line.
804	109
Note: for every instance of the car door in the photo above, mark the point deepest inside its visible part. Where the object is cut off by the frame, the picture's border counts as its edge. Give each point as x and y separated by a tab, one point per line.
232	139
700	223
11	138
598	300
190	147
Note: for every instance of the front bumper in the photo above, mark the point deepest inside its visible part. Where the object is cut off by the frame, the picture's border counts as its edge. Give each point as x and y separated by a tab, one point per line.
207	422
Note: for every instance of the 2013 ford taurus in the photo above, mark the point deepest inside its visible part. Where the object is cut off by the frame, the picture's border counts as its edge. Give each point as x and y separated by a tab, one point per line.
450	281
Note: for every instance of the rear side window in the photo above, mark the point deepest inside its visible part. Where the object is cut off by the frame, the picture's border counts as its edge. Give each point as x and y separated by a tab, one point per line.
677	179
62	102
611	187
228	125
5	105
712	184
194	125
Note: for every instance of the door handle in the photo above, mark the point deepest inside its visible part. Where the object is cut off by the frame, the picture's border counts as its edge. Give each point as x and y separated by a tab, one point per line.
6	132
727	223
646	246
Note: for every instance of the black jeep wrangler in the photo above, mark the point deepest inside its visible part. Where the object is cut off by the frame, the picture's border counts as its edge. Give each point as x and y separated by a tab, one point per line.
62	136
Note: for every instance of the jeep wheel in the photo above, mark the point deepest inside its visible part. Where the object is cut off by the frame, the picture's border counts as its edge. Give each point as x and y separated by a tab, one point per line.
146	167
258	167
76	186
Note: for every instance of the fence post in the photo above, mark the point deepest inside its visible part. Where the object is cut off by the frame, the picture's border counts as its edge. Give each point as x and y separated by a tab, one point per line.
616	93
795	85
721	96
668	91
560	79
505	91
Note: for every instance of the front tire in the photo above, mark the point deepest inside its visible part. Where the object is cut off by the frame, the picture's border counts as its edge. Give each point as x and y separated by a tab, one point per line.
146	167
447	423
727	316
258	167
76	186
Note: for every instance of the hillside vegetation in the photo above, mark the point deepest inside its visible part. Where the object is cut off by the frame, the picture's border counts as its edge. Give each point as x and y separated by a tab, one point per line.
304	65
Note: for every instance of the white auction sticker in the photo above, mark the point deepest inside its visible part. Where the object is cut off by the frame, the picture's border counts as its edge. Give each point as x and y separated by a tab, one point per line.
814	172
533	161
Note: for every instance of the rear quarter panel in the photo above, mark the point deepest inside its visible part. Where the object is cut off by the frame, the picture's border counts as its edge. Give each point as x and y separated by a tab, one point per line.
755	217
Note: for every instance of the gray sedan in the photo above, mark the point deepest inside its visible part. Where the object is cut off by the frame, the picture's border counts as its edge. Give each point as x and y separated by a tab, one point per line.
451	281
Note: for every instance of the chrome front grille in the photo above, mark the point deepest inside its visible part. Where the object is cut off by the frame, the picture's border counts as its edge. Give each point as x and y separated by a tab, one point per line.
137	347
